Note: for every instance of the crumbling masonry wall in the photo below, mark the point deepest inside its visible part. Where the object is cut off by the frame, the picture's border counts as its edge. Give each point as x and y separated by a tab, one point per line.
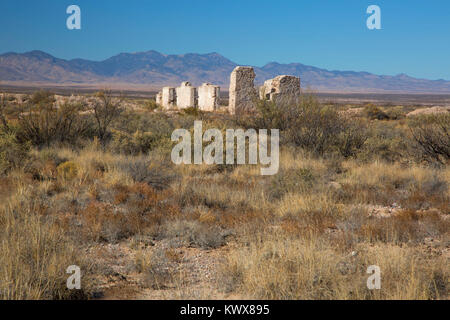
159	98
208	97
186	96
242	91
242	95
168	97
281	89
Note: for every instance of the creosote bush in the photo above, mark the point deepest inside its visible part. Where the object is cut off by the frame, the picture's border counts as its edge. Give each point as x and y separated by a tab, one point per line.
13	153
42	122
314	127
431	135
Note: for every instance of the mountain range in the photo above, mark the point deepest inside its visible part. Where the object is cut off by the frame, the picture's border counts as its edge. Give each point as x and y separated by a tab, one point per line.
156	70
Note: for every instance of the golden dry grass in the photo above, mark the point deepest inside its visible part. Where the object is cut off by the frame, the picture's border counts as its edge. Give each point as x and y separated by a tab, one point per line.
309	232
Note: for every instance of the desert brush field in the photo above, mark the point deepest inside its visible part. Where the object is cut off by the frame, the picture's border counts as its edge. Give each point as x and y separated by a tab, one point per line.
89	181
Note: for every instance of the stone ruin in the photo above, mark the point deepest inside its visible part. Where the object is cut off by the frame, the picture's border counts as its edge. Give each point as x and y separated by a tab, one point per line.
242	90
159	98
186	96
281	89
242	95
208	97
168	97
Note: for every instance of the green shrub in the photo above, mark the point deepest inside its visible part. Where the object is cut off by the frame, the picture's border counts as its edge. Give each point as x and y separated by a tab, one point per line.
151	105
378	147
431	135
291	181
314	127
42	122
396	113
192	111
351	139
13	153
105	109
375	113
385	142
144	170
137	143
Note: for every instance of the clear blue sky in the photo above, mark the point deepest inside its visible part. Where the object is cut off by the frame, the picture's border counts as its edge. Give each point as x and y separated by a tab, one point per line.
332	34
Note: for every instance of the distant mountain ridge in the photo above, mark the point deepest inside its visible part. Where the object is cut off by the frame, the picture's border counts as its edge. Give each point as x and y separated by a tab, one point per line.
157	69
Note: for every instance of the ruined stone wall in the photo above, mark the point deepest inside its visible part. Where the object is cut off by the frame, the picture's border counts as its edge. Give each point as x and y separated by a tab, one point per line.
281	89
242	91
168	97
186	96
242	96
208	97
159	98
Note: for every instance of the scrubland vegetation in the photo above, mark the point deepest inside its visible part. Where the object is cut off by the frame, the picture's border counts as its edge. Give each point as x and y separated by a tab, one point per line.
91	183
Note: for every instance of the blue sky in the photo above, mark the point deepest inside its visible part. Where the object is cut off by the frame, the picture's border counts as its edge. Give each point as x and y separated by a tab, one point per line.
414	39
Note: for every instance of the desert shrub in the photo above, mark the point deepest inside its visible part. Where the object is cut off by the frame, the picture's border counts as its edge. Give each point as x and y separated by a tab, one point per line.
68	170
42	96
314	127
130	122
272	116
385	142
157	268
405	226
192	111
50	155
317	129
432	191
194	233
99	223
137	143
375	113
13	153
106	109
42	165
431	134
158	126
396	113
351	139
42	122
4	104
142	170
151	105
293	181
135	209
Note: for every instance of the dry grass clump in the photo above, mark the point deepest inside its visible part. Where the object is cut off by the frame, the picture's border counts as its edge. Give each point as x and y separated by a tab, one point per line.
383	183
405	226
35	254
195	234
282	268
